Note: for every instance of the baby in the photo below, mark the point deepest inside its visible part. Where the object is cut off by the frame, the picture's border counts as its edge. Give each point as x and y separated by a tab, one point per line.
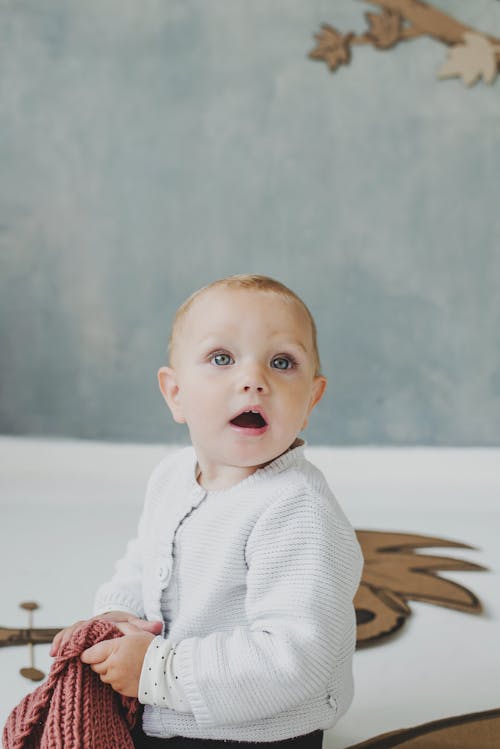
236	597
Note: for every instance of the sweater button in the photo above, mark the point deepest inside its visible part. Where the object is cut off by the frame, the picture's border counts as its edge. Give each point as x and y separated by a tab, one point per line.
164	573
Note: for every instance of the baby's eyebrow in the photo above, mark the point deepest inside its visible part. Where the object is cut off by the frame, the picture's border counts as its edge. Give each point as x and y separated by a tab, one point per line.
210	340
283	345
215	341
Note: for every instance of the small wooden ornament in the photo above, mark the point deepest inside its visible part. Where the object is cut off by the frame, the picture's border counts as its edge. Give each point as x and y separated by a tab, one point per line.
30	672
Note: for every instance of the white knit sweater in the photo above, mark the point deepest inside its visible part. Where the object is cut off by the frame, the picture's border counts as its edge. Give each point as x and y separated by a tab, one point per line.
265	572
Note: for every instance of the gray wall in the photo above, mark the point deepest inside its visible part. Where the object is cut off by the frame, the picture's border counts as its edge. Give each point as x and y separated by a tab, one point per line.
149	147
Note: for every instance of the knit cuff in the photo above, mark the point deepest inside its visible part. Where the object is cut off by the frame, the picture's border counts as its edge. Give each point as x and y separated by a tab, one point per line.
117	601
186	658
117	607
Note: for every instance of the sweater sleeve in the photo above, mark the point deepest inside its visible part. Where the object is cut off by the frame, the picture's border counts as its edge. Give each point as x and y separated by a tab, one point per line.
123	592
304	565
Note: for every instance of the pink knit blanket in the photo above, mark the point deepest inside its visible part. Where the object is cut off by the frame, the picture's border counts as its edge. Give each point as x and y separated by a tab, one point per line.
73	709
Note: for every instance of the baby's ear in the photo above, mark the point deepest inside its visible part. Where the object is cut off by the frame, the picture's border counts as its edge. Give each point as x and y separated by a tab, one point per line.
167	380
317	392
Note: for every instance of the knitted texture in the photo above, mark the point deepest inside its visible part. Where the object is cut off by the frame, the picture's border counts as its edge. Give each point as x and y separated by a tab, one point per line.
262	578
73	708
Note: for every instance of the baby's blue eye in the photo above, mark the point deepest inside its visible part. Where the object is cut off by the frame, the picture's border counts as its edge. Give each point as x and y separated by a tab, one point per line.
282	362
221	360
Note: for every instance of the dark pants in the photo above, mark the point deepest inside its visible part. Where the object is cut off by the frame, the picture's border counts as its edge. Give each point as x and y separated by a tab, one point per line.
312	740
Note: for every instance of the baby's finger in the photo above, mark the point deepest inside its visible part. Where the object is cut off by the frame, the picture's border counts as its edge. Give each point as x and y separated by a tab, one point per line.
105	678
99	652
55	644
154	627
127	628
60	644
63	637
100	668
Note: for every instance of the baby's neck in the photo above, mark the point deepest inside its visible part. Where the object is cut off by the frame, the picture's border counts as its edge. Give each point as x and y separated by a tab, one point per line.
224	477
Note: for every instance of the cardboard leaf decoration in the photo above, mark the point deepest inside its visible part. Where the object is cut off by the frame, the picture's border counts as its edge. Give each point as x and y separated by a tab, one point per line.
333	47
473	54
471	60
471	731
384	28
394	573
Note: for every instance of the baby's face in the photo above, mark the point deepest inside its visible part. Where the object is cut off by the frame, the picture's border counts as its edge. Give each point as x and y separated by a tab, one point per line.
238	351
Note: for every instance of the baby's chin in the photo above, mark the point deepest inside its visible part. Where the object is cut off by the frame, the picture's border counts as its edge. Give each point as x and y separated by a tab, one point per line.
296	442
245	452
266	457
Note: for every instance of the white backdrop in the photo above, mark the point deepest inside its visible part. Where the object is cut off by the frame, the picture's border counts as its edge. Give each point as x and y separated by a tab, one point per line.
68	508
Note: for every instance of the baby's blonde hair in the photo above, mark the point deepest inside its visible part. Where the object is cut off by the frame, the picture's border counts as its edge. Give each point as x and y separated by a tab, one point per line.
251	282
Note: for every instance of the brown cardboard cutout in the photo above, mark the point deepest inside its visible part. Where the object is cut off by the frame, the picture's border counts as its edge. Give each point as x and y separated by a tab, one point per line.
393	574
472	54
471	731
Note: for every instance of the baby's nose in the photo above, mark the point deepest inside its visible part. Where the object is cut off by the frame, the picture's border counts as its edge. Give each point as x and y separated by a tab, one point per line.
254	380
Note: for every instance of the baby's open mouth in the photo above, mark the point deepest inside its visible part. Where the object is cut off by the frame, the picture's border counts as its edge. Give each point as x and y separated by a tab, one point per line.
250	420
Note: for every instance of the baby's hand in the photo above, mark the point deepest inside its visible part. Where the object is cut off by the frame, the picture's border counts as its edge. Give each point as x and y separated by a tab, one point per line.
119	661
120	618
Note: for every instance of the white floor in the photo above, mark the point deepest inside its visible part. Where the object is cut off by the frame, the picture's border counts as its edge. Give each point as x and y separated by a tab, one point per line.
67	509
